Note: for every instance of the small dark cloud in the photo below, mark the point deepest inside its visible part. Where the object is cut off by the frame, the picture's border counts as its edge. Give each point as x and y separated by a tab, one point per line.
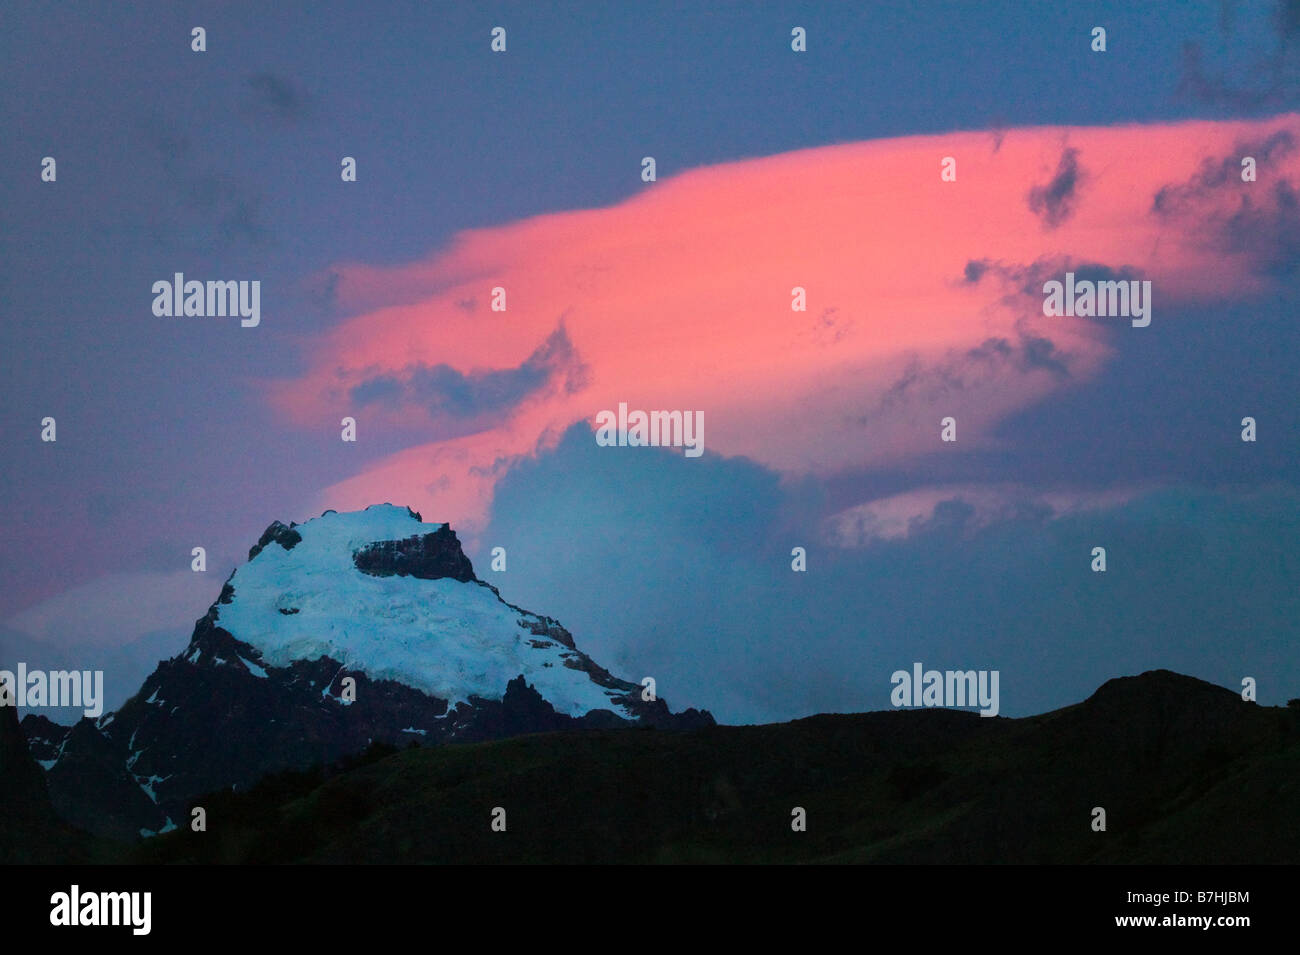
1038	352
951	517
962	371
1215	174
990	348
213	207
275	99
445	391
323	288
233	211
956	518
1267	233
1092	272
382	389
165	138
1254	220
830	327
1287	18
1026	281
1276	72
1199	82
1054	202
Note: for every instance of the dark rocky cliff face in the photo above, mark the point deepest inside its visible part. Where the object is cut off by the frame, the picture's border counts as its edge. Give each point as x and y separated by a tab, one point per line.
277	533
426	556
23	788
30	830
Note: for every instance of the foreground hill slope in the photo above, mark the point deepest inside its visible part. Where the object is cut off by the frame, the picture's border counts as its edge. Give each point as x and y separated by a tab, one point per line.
1187	772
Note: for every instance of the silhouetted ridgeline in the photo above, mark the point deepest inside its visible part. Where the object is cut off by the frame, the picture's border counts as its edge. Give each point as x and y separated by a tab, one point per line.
1187	773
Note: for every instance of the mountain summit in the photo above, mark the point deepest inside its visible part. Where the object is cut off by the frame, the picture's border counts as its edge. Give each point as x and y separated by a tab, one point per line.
349	629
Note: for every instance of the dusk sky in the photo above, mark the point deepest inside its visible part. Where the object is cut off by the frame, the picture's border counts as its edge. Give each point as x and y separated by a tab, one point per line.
775	169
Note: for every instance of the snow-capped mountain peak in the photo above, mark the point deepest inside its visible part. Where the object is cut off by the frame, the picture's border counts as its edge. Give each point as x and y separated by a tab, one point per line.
378	591
346	630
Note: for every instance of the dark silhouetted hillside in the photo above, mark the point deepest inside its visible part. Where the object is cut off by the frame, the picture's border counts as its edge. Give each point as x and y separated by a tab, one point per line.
30	831
1187	773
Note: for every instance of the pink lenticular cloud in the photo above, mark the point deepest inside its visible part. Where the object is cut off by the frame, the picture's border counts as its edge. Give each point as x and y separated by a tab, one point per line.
680	298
